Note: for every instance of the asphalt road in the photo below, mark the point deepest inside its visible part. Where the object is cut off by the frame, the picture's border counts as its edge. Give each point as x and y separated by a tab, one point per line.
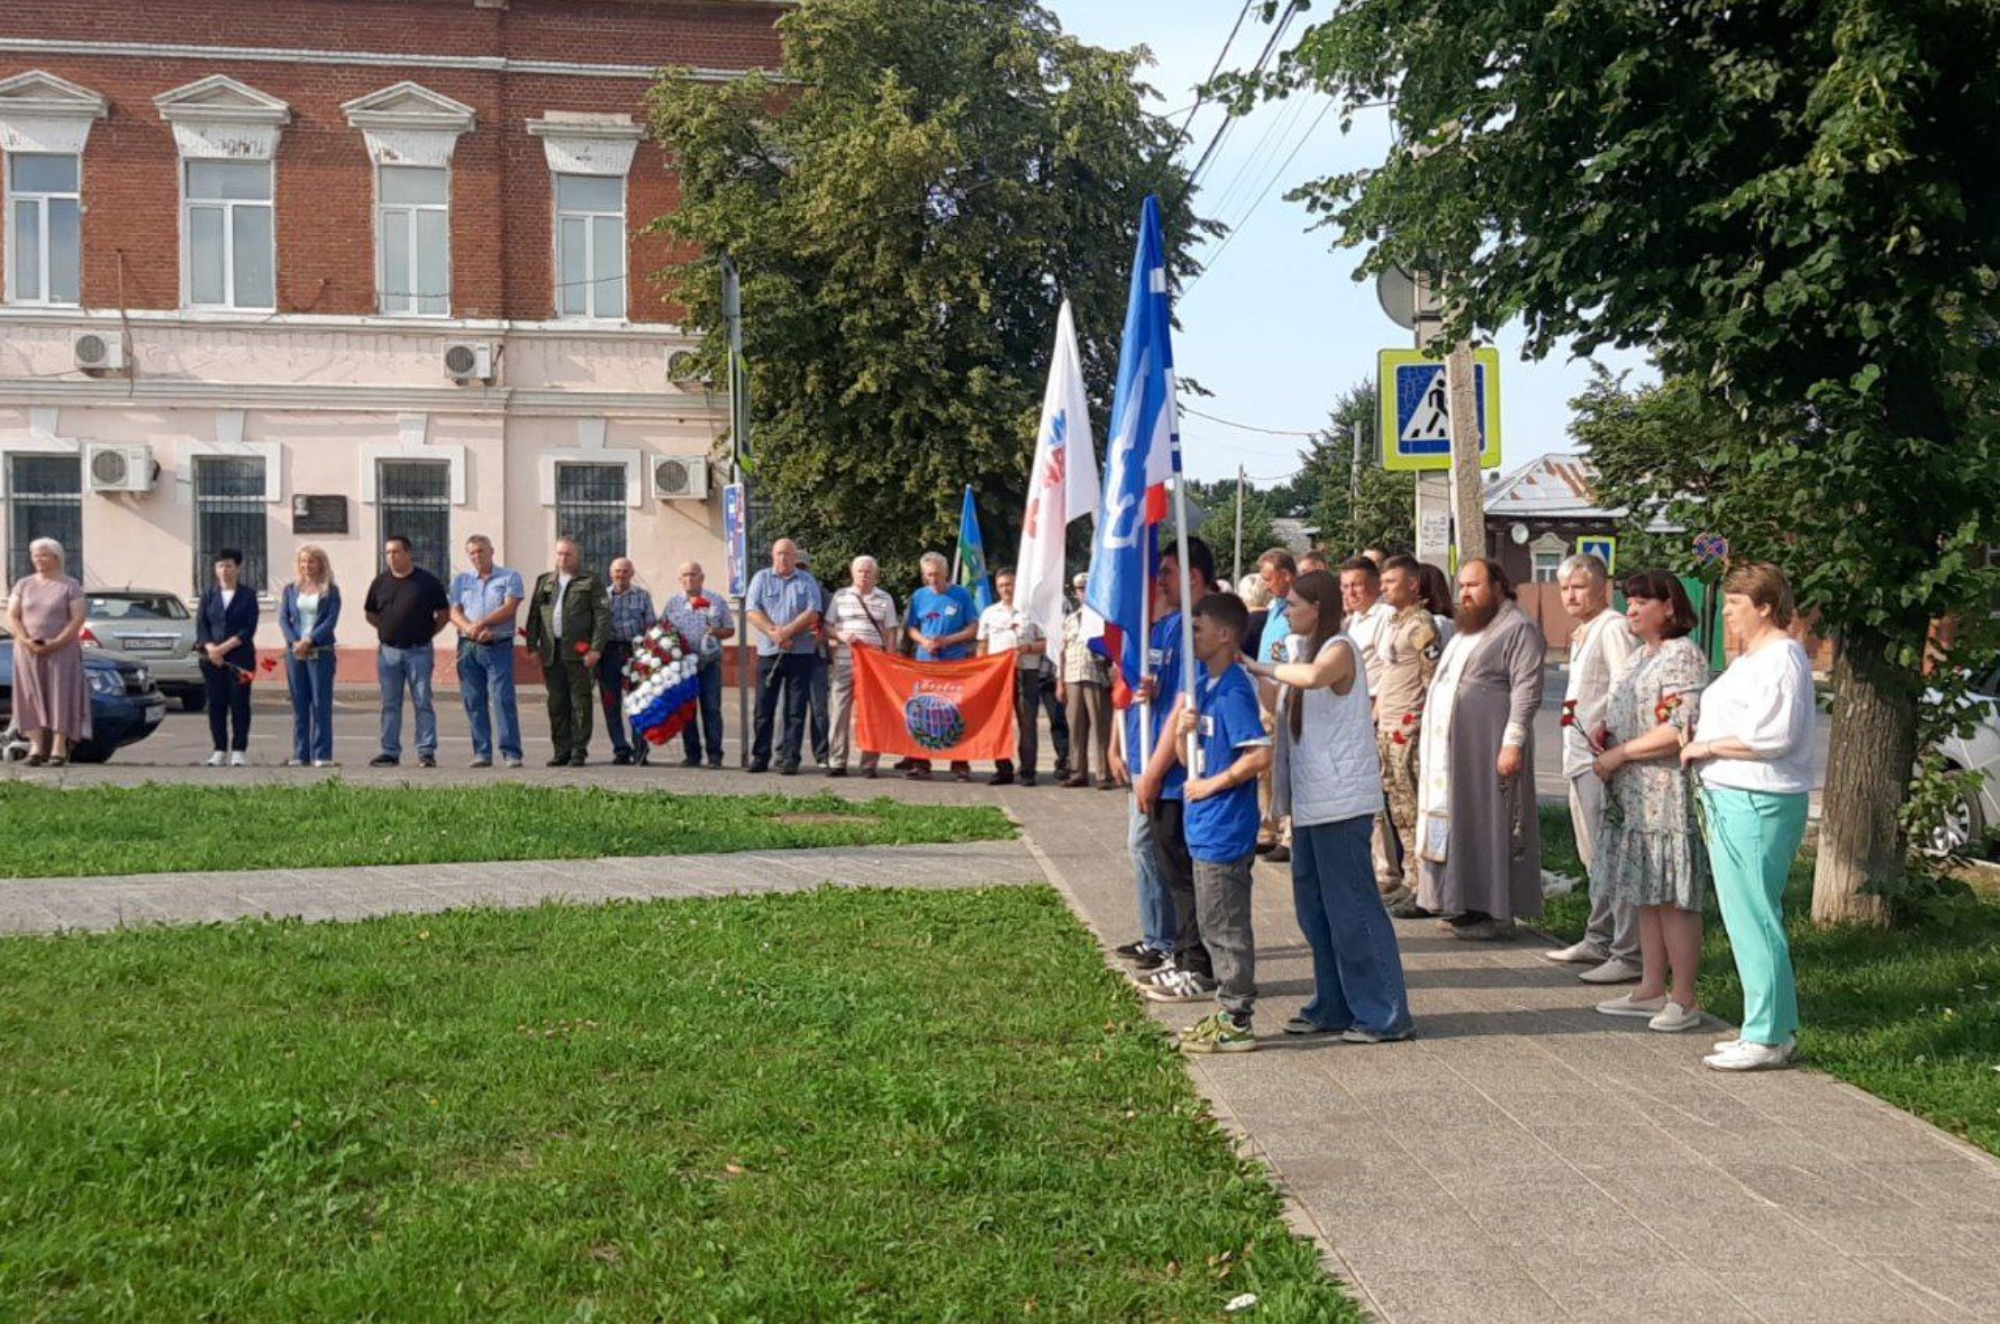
183	737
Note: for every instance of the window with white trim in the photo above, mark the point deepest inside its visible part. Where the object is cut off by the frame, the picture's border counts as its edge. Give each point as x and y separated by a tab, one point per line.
231	253
590	246
413	239
44	500
590	507
44	227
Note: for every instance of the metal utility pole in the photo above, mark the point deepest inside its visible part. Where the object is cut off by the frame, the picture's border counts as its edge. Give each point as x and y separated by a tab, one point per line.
739	453
1236	566
1354	475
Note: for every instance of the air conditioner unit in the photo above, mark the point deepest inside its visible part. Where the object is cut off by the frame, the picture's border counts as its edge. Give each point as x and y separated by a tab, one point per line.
681	478
469	361
121	468
101	351
684	371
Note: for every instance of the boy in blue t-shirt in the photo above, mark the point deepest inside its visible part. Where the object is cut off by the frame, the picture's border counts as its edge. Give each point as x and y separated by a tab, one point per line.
1222	817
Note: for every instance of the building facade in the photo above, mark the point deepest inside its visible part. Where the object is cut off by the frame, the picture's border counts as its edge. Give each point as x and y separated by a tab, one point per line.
327	271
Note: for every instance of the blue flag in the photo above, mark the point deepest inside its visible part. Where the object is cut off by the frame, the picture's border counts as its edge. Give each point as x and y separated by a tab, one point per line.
972	555
1143	452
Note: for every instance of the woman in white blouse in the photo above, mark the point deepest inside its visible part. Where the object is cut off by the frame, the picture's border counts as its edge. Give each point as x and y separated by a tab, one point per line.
1753	745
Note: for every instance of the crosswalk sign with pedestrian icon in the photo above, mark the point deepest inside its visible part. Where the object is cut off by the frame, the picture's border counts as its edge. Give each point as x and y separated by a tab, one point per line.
1415	410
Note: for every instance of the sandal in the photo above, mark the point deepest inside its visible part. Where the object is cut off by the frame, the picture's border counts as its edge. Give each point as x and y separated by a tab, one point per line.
57	760
36	760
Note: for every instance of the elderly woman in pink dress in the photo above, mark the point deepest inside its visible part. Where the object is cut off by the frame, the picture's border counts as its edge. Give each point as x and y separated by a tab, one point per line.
45	614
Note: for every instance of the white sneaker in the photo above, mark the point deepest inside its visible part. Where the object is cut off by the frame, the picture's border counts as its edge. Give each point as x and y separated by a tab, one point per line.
513	763
238	760
1180	986
1627	1005
217	759
1747	1056
1582	953
325	763
1674	1018
1617	970
1726	1045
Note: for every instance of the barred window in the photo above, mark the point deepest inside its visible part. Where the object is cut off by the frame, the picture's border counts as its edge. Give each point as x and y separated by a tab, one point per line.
229	512
590	507
44	500
413	500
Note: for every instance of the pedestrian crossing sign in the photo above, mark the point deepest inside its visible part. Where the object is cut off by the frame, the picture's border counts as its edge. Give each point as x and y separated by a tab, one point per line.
1415	417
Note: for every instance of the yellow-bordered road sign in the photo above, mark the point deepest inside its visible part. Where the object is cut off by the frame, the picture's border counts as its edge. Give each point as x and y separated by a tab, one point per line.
1415	417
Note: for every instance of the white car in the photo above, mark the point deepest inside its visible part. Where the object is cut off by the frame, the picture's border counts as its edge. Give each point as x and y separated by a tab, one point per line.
1978	807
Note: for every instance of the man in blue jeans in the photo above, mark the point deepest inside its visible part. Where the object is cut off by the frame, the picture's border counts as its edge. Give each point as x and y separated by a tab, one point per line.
407	606
485	602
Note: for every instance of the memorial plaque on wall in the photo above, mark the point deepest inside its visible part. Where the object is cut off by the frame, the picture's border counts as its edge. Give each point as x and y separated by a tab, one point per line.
319	514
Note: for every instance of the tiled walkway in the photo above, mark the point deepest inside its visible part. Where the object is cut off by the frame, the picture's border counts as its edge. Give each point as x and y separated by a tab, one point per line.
1525	1159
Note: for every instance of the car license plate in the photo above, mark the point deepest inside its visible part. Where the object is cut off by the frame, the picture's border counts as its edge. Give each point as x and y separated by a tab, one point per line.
155	713
147	645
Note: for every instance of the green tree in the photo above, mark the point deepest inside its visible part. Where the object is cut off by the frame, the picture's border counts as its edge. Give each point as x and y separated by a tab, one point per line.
1218	502
1325	488
1797	206
909	201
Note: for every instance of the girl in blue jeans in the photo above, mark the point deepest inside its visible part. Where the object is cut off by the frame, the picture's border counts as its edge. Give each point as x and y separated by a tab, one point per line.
1330	775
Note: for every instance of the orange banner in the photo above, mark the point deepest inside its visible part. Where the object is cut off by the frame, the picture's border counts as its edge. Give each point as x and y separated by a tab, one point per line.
934	710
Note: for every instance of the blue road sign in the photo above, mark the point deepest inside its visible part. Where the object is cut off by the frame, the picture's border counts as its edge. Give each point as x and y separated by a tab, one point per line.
1415	410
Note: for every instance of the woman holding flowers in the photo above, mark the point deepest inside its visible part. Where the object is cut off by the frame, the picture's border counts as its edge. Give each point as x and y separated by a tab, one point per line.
1652	856
225	635
306	616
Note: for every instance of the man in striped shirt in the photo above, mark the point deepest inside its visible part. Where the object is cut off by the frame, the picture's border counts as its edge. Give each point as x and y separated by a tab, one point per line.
861	615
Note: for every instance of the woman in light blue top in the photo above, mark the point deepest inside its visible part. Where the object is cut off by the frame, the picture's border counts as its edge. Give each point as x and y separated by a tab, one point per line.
307	616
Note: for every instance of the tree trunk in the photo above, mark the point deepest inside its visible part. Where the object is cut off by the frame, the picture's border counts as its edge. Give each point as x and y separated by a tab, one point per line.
1874	743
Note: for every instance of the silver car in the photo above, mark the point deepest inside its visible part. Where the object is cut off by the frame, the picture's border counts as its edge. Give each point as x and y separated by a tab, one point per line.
153	628
1978	807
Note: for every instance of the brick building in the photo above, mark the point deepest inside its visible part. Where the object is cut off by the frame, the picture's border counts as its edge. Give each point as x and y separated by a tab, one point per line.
287	271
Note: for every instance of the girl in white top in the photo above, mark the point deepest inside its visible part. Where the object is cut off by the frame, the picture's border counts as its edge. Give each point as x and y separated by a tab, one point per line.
1753	746
1329	778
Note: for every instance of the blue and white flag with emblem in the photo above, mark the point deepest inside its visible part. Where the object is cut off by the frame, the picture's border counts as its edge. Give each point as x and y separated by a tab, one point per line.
1062	486
1142	453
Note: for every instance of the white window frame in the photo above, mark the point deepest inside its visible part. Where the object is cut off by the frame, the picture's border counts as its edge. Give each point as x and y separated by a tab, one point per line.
8	198
229	206
592	281
409	219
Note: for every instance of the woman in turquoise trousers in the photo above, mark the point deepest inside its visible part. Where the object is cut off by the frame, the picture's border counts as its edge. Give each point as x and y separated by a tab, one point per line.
1753	746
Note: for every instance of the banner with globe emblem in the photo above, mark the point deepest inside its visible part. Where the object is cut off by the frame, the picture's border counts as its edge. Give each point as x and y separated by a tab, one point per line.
934	710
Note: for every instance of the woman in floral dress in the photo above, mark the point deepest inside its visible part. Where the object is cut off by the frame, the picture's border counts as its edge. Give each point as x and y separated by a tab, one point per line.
1653	856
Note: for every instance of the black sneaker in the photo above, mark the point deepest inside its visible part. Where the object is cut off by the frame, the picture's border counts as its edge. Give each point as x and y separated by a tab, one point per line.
427	760
1001	779
621	758
1149	962
384	761
760	765
1131	951
1027	779
788	769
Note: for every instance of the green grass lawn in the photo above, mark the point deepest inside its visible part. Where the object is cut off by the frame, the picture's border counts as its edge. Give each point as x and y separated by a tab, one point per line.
1910	1014
837	1105
155	828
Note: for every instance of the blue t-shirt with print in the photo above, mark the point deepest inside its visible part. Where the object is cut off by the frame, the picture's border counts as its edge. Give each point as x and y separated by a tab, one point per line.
1277	628
934	615
1165	662
1223	828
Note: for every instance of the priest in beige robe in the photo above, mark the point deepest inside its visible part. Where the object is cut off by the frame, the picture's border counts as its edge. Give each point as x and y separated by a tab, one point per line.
1478	831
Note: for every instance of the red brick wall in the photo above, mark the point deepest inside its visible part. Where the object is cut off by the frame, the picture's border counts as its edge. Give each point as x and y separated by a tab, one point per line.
501	194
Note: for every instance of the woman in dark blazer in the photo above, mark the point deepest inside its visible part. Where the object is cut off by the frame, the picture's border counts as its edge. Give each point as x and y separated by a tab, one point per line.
307	615
225	630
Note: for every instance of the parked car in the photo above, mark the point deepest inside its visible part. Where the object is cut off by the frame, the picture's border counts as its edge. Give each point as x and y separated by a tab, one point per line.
125	705
152	628
1978	807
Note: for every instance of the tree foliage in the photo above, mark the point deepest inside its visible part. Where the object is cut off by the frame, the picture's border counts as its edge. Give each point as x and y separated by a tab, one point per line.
1797	207
909	201
1384	514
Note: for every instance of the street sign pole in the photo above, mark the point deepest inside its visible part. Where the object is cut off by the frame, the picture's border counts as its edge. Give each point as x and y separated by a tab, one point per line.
739	451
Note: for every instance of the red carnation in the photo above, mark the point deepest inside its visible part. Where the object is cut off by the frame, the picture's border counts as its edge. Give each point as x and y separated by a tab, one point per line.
1569	712
269	664
582	650
1409	718
1399	737
699	604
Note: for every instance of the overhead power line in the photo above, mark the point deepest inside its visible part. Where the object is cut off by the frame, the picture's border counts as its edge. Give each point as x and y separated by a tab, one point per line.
1247	427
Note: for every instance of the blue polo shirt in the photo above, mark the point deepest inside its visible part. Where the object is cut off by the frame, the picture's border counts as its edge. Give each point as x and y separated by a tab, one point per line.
934	615
783	598
1223	828
479	598
1164	658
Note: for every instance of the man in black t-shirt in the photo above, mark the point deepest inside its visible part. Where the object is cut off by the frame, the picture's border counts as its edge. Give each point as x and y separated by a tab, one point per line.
407	606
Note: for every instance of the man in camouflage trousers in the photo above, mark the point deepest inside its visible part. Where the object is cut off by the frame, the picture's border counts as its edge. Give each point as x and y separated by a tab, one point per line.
1408	651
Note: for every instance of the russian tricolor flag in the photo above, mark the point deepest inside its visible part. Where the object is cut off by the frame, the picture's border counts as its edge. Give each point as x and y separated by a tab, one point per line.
1142	453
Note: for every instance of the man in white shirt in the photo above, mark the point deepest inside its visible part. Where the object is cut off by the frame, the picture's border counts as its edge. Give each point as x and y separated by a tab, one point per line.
858	616
1599	644
1002	629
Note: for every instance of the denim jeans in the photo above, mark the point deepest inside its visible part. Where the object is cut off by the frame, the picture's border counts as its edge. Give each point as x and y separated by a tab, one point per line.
486	685
311	684
397	669
710	727
790	673
1357	967
1156	904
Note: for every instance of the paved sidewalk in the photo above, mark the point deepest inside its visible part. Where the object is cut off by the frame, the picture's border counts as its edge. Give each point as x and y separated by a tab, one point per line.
1525	1159
47	905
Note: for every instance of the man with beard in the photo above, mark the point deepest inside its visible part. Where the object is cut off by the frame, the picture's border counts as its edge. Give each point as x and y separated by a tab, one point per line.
1478	833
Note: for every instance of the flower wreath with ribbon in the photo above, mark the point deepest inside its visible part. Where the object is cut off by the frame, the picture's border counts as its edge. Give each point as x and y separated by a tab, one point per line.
662	684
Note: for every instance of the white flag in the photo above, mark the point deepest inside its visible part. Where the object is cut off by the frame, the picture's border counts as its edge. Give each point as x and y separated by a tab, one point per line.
1062	486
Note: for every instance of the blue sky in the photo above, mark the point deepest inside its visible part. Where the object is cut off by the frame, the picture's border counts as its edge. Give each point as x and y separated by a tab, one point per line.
1278	327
